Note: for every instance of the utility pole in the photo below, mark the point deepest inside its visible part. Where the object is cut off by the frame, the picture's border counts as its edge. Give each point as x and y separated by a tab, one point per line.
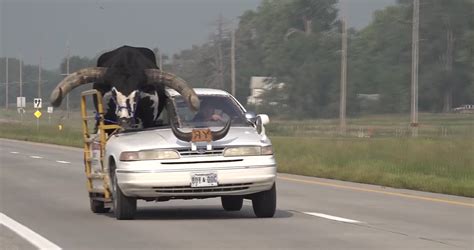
67	74
448	96
39	78
21	87
161	60
414	71
220	59
21	78
232	62
6	83
342	107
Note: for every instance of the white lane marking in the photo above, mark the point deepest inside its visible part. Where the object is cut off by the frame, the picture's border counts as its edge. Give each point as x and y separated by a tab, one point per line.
27	234
331	217
63	162
36	157
13	152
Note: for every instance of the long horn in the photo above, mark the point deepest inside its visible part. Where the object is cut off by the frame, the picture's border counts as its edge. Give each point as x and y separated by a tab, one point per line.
180	134
176	83
217	135
74	80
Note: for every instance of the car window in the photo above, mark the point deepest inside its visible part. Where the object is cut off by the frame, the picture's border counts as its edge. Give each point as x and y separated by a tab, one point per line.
215	110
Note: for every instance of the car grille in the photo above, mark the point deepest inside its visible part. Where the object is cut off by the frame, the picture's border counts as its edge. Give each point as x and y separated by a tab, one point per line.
188	189
201	151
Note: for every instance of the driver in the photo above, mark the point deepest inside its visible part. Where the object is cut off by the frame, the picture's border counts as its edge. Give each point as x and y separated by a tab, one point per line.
207	113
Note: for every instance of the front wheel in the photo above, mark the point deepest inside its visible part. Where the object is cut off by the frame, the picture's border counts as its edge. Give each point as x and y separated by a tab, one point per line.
232	203
124	207
264	203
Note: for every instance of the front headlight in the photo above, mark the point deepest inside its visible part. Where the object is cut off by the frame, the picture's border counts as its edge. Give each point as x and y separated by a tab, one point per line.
267	150
248	151
149	155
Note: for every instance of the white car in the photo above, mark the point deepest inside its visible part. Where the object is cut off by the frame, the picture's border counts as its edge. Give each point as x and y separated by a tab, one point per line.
213	157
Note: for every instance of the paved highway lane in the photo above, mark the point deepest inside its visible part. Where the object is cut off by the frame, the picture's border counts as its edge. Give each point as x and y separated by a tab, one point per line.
43	188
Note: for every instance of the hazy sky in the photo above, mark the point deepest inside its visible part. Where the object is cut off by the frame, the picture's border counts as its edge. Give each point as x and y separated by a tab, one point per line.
29	28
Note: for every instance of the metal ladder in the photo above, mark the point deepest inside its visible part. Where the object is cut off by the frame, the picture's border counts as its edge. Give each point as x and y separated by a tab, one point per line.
103	193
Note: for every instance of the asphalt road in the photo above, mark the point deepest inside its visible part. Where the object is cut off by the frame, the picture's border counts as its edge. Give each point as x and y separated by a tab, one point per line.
43	188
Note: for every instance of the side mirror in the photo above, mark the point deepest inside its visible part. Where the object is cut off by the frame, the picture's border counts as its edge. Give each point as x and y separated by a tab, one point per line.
265	118
260	121
251	116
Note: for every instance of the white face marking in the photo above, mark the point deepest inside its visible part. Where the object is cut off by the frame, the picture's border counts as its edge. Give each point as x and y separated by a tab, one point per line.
153	97
122	108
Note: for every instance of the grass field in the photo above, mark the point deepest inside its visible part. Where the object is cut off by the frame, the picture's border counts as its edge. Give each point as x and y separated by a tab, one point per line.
438	165
376	149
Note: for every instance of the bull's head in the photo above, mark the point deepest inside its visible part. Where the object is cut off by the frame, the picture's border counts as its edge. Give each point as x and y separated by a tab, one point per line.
125	104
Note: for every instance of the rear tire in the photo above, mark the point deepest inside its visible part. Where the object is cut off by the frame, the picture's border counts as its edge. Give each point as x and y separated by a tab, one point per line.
124	207
232	203
264	203
98	207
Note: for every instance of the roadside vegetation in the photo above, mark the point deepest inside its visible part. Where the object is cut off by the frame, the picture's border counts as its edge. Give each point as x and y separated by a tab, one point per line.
377	149
441	165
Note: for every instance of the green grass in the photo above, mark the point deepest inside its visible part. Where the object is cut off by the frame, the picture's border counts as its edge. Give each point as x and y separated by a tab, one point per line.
435	165
435	162
25	128
46	134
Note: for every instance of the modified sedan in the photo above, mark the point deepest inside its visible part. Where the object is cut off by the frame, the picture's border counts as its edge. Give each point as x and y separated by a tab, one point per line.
220	151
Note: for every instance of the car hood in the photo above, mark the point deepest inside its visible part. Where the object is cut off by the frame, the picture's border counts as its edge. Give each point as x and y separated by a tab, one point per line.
164	138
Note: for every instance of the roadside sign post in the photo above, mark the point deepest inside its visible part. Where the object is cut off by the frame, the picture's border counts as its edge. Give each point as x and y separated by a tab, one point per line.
37	114
21	104
37	104
50	111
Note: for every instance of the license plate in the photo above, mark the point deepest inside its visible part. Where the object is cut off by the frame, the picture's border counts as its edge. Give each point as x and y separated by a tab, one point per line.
204	180
201	135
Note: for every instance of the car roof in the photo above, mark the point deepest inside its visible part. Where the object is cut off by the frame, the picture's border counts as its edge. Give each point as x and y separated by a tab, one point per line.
200	91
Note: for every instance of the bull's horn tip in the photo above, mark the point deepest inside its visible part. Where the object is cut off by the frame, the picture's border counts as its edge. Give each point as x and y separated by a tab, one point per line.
56	97
195	103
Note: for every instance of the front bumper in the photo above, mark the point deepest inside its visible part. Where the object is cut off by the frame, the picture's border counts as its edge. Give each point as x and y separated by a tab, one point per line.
151	179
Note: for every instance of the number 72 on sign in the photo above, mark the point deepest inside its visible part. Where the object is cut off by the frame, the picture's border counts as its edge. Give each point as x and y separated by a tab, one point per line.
37	103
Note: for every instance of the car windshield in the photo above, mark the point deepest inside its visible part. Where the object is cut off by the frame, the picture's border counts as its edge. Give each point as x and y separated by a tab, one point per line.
215	111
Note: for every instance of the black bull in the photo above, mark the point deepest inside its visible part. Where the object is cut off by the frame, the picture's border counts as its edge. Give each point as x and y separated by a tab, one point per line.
133	87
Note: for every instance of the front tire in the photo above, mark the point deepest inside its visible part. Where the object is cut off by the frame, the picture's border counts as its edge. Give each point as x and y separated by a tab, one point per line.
264	203
232	203
124	207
